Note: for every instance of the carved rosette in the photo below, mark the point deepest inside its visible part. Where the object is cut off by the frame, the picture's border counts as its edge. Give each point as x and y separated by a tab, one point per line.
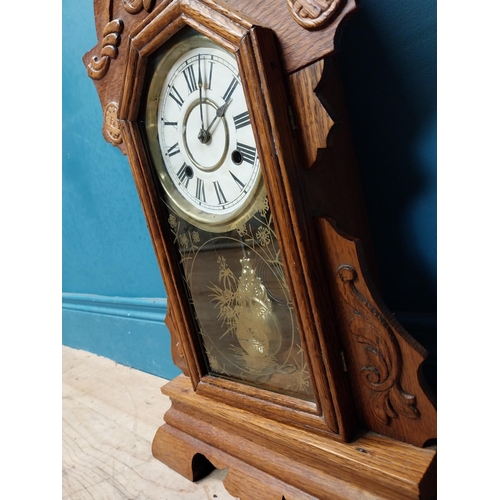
111	126
382	372
311	14
99	65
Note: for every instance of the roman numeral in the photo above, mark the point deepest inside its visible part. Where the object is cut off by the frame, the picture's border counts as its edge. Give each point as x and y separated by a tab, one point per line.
185	174
237	180
211	71
230	90
174	94
172	124
247	152
242	120
173	150
190	79
220	194
200	190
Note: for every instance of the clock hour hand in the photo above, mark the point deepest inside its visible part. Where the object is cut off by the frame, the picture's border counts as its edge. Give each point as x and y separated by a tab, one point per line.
219	114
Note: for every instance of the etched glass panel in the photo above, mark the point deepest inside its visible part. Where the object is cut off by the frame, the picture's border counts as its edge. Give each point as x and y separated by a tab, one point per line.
242	303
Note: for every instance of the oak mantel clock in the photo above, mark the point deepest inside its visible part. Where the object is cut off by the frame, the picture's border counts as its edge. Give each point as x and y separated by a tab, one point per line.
295	377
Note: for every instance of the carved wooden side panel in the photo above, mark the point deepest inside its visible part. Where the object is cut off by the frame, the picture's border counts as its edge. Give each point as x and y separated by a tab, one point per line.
382	360
381	369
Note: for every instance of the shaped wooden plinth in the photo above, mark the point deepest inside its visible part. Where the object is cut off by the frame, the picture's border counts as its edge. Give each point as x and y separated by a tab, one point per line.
273	461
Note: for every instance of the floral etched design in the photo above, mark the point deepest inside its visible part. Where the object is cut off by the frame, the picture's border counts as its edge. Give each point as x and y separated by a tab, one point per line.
242	303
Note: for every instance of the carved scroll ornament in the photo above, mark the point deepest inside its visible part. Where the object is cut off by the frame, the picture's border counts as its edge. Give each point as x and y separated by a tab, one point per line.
383	371
312	14
99	65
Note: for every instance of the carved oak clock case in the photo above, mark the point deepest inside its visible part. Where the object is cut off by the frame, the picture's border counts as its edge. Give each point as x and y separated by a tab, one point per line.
295	377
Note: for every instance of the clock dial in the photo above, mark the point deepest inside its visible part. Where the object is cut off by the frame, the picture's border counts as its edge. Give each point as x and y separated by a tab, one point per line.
210	165
205	155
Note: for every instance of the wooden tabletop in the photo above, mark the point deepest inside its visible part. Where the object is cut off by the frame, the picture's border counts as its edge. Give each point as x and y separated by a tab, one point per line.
110	415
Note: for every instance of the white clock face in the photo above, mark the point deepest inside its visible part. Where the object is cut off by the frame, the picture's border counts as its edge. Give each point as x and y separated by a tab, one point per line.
205	136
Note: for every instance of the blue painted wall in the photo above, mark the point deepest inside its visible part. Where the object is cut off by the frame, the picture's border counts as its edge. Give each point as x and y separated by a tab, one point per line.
389	70
111	281
113	295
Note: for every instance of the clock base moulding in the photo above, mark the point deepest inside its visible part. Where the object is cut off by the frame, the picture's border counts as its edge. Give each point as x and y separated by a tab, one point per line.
273	461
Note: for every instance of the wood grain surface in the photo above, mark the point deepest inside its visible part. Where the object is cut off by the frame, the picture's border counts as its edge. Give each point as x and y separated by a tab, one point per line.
110	415
271	461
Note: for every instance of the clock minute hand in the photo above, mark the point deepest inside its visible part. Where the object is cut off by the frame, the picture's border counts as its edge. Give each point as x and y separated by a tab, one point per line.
203	135
219	113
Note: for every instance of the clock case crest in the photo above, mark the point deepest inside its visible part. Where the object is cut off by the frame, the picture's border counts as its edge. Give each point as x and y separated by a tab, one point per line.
365	370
